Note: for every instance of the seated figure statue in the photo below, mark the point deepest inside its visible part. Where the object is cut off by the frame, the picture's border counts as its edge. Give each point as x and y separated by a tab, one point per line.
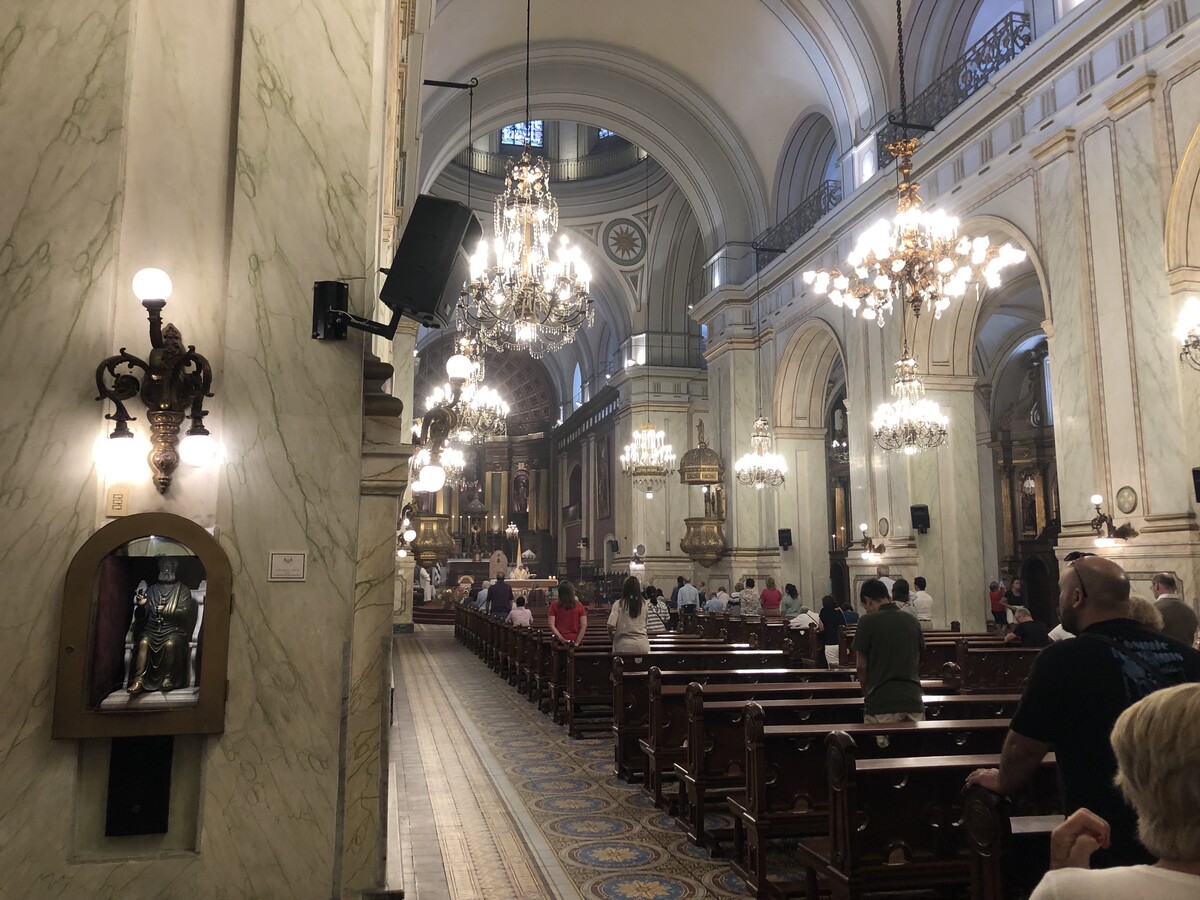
164	619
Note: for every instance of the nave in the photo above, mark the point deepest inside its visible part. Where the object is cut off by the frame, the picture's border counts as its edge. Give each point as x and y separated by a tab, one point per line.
489	798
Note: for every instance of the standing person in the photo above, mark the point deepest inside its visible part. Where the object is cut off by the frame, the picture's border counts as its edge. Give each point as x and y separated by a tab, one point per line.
789	606
481	598
519	615
902	597
500	598
882	573
751	604
1027	632
922	602
716	604
887	648
627	620
657	615
831	620
999	605
1076	691
689	601
1013	597
673	603
1179	619
771	599
567	617
734	606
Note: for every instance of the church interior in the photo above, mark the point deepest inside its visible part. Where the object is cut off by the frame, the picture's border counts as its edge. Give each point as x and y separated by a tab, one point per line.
366	303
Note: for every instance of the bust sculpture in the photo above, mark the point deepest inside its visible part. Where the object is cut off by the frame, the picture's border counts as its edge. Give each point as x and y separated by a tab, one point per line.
164	619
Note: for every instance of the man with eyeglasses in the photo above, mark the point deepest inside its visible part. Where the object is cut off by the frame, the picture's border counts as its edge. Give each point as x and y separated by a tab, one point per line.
1078	688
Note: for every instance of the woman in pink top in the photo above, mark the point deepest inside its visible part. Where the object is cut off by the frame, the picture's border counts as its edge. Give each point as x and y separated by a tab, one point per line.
770	598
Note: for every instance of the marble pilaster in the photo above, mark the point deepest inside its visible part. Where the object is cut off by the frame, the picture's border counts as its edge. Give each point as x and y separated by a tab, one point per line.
804	508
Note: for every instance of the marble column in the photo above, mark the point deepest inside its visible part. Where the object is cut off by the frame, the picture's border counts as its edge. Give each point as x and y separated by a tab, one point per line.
804	508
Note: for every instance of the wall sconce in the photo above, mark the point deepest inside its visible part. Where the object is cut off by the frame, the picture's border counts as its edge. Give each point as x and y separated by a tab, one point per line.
871	551
1187	331
173	384
583	543
406	534
1103	522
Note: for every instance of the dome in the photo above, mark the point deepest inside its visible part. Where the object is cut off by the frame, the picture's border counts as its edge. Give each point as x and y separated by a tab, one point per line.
701	464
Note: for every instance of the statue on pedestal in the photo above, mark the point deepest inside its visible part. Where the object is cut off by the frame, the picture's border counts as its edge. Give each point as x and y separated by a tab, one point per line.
164	619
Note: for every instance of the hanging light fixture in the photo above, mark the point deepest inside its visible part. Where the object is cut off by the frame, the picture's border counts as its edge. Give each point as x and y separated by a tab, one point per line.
533	294
910	423
918	258
1187	332
481	412
761	467
649	460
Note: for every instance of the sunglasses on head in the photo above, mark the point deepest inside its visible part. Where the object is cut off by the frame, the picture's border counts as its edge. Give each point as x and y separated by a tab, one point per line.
1071	558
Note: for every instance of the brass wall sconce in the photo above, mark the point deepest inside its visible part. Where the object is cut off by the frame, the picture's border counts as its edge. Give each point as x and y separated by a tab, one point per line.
1106	534
173	384
871	551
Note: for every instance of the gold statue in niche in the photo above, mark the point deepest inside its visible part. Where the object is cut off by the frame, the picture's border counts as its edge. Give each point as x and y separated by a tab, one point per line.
164	619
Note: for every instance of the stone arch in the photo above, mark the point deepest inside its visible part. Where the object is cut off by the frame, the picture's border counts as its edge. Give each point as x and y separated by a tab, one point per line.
945	346
1183	220
811	354
656	109
804	161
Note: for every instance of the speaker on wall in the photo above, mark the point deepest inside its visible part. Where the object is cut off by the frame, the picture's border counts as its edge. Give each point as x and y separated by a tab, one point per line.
1196	483
920	518
614	546
785	538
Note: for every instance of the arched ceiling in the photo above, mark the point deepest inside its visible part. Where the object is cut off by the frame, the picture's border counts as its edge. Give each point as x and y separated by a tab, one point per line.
710	88
519	378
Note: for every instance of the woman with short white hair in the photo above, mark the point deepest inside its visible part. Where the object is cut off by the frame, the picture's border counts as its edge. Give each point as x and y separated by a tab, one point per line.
1157	745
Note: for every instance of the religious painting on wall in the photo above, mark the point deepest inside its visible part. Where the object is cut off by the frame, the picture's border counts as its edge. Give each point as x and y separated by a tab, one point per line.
137	635
603	486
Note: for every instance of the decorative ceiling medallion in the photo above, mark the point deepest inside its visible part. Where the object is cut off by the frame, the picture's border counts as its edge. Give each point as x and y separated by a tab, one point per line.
625	242
1127	499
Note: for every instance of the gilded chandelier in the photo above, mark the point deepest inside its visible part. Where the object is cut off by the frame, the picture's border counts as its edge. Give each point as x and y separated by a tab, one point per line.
534	296
649	460
910	423
918	258
760	466
481	412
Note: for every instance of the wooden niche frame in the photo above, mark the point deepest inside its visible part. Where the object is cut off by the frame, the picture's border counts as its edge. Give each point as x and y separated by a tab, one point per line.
73	716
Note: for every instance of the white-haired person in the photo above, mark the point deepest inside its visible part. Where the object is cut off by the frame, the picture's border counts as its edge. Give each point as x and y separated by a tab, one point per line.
1157	745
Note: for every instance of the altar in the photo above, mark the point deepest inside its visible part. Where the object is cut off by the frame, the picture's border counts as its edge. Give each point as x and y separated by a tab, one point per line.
525	587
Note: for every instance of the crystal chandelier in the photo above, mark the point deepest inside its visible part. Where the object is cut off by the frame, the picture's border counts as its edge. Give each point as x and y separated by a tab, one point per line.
480	410
760	466
428	477
649	460
1187	332
910	422
533	297
918	258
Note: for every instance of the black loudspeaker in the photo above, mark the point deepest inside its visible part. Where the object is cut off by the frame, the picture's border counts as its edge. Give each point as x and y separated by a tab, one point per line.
614	546
1196	483
785	538
920	518
432	262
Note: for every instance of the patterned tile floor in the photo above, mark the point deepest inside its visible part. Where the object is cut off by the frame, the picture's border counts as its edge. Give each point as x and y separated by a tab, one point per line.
491	799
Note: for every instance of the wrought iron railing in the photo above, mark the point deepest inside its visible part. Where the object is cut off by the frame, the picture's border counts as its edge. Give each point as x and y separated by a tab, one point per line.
596	165
1002	43
775	240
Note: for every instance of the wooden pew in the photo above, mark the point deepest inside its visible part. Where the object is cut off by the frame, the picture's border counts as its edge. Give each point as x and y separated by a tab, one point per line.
587	695
1009	841
846	640
895	824
994	668
715	766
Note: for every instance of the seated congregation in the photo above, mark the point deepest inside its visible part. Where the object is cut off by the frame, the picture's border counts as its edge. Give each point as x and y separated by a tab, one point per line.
911	760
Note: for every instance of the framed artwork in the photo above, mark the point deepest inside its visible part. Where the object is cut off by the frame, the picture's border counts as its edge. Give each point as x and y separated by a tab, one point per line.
603	478
145	632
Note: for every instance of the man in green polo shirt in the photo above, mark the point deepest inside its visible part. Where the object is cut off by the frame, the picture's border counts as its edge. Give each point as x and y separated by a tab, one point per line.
887	648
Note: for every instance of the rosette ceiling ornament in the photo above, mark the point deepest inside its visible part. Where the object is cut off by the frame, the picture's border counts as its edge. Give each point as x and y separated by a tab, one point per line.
531	293
917	259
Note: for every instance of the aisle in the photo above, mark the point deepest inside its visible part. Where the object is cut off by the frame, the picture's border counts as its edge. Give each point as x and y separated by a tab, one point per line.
492	799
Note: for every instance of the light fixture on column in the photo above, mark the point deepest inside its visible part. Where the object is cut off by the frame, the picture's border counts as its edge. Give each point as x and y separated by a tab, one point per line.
534	296
917	259
1187	331
1028	479
872	552
173	385
910	423
761	466
1102	523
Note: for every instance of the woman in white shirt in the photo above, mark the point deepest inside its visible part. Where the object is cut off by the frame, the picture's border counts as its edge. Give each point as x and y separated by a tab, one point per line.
627	620
1157	745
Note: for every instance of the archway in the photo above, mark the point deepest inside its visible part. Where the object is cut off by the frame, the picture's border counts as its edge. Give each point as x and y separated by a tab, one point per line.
809	157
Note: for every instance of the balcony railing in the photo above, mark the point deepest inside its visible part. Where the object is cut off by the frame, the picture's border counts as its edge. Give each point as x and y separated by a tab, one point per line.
1003	42
596	165
774	241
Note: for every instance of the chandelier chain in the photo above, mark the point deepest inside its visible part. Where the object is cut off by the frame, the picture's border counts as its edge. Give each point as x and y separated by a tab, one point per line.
900	55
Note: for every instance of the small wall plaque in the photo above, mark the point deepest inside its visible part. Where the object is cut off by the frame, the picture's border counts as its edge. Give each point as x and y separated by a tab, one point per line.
287	567
1127	499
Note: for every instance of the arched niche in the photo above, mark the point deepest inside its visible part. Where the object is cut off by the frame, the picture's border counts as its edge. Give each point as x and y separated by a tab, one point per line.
1183	221
97	648
802	379
808	158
